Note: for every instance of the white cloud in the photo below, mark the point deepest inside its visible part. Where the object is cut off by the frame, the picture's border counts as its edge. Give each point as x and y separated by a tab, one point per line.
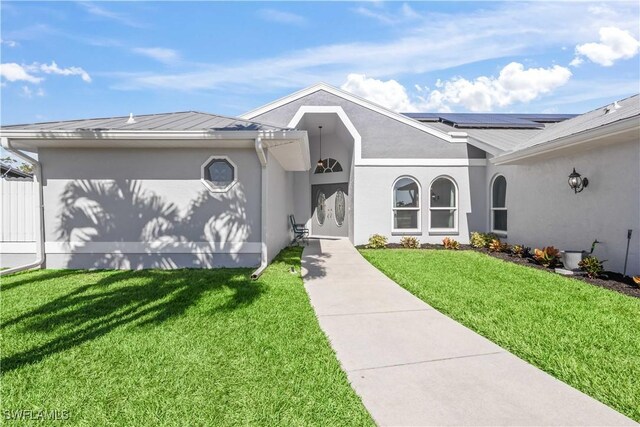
614	44
70	71
427	44
27	92
394	17
282	17
158	53
102	12
515	84
14	72
390	93
8	43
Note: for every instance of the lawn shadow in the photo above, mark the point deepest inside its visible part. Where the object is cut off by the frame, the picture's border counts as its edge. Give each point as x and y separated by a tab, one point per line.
125	298
41	277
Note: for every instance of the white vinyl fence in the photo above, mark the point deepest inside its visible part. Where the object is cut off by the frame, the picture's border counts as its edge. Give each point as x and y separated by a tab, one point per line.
17	211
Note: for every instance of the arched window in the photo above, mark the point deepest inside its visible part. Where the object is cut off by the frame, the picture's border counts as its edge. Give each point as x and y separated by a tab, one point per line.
443	205
329	165
499	204
406	204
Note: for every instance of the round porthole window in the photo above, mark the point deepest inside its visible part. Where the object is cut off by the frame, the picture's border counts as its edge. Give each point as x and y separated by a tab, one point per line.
340	208
321	210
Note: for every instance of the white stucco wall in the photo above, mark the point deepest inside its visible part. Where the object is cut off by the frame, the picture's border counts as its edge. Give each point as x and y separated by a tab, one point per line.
373	200
543	210
279	206
170	220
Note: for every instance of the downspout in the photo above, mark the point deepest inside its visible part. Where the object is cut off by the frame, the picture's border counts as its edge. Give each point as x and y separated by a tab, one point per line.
37	177
264	262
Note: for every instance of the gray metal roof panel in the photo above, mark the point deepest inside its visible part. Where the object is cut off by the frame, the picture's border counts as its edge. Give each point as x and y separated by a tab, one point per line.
628	107
180	121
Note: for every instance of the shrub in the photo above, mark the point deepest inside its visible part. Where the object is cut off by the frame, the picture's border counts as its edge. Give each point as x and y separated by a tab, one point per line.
520	251
495	245
592	266
482	240
377	241
478	240
450	243
410	242
547	256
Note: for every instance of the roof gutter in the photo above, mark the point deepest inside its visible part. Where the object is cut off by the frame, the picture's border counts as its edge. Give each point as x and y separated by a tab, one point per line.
264	260
37	182
569	141
150	134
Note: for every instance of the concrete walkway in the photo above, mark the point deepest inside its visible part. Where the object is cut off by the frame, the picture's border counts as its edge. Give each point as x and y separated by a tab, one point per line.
411	365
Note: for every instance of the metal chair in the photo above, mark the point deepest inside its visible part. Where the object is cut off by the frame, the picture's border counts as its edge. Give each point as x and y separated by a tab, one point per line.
300	232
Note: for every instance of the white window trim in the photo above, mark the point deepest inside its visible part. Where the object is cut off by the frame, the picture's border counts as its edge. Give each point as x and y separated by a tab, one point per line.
455	208
210	186
492	209
394	208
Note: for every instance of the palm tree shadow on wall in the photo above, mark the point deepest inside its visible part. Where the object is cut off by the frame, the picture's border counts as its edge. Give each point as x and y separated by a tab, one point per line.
121	212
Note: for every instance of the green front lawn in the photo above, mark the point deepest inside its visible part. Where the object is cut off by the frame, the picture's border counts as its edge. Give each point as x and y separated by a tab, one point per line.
182	347
586	336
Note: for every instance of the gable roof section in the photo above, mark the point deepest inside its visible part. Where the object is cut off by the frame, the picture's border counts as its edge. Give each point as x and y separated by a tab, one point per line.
617	122
357	100
620	110
180	121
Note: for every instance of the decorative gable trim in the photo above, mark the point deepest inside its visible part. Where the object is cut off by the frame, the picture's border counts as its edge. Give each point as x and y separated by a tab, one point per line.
356	100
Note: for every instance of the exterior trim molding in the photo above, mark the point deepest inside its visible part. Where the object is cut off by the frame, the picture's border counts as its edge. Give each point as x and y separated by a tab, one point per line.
208	184
423	162
356	100
154	247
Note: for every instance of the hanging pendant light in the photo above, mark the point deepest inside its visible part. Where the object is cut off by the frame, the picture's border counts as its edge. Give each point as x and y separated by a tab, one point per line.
320	164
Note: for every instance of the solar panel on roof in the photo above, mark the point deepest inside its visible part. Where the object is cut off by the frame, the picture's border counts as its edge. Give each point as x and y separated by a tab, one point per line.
491	120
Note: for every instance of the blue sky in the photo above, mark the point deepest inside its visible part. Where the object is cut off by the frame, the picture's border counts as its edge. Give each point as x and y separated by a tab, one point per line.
80	59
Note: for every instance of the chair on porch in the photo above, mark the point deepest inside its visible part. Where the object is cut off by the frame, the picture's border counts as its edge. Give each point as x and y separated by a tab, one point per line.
300	232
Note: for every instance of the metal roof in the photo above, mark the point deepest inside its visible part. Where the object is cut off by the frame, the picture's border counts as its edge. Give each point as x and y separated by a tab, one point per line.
8	171
620	110
180	121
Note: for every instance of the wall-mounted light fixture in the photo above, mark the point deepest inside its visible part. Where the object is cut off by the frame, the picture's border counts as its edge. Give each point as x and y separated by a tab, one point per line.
576	182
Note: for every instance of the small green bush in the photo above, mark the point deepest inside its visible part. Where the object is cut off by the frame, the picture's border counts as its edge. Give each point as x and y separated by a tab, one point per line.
592	266
377	241
410	242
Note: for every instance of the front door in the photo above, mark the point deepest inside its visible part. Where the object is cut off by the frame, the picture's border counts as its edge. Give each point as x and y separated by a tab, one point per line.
329	205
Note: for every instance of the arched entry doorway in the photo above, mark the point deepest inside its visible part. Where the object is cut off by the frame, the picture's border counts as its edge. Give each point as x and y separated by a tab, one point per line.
329	191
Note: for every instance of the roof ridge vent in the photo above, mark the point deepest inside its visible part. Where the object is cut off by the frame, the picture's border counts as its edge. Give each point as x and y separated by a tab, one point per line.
131	119
612	108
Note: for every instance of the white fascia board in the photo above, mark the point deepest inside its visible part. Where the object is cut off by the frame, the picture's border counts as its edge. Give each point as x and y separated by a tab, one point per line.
64	138
422	162
629	124
356	100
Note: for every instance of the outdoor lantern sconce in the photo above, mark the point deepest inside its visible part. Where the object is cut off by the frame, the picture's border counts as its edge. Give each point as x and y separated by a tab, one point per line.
576	182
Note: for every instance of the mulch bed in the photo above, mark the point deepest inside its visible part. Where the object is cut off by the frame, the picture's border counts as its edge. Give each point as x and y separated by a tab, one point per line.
609	279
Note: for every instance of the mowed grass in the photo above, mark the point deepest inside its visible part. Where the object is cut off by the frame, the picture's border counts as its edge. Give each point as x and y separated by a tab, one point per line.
181	347
586	336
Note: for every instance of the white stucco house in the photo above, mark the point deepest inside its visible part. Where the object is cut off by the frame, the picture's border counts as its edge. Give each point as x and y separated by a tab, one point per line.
192	189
